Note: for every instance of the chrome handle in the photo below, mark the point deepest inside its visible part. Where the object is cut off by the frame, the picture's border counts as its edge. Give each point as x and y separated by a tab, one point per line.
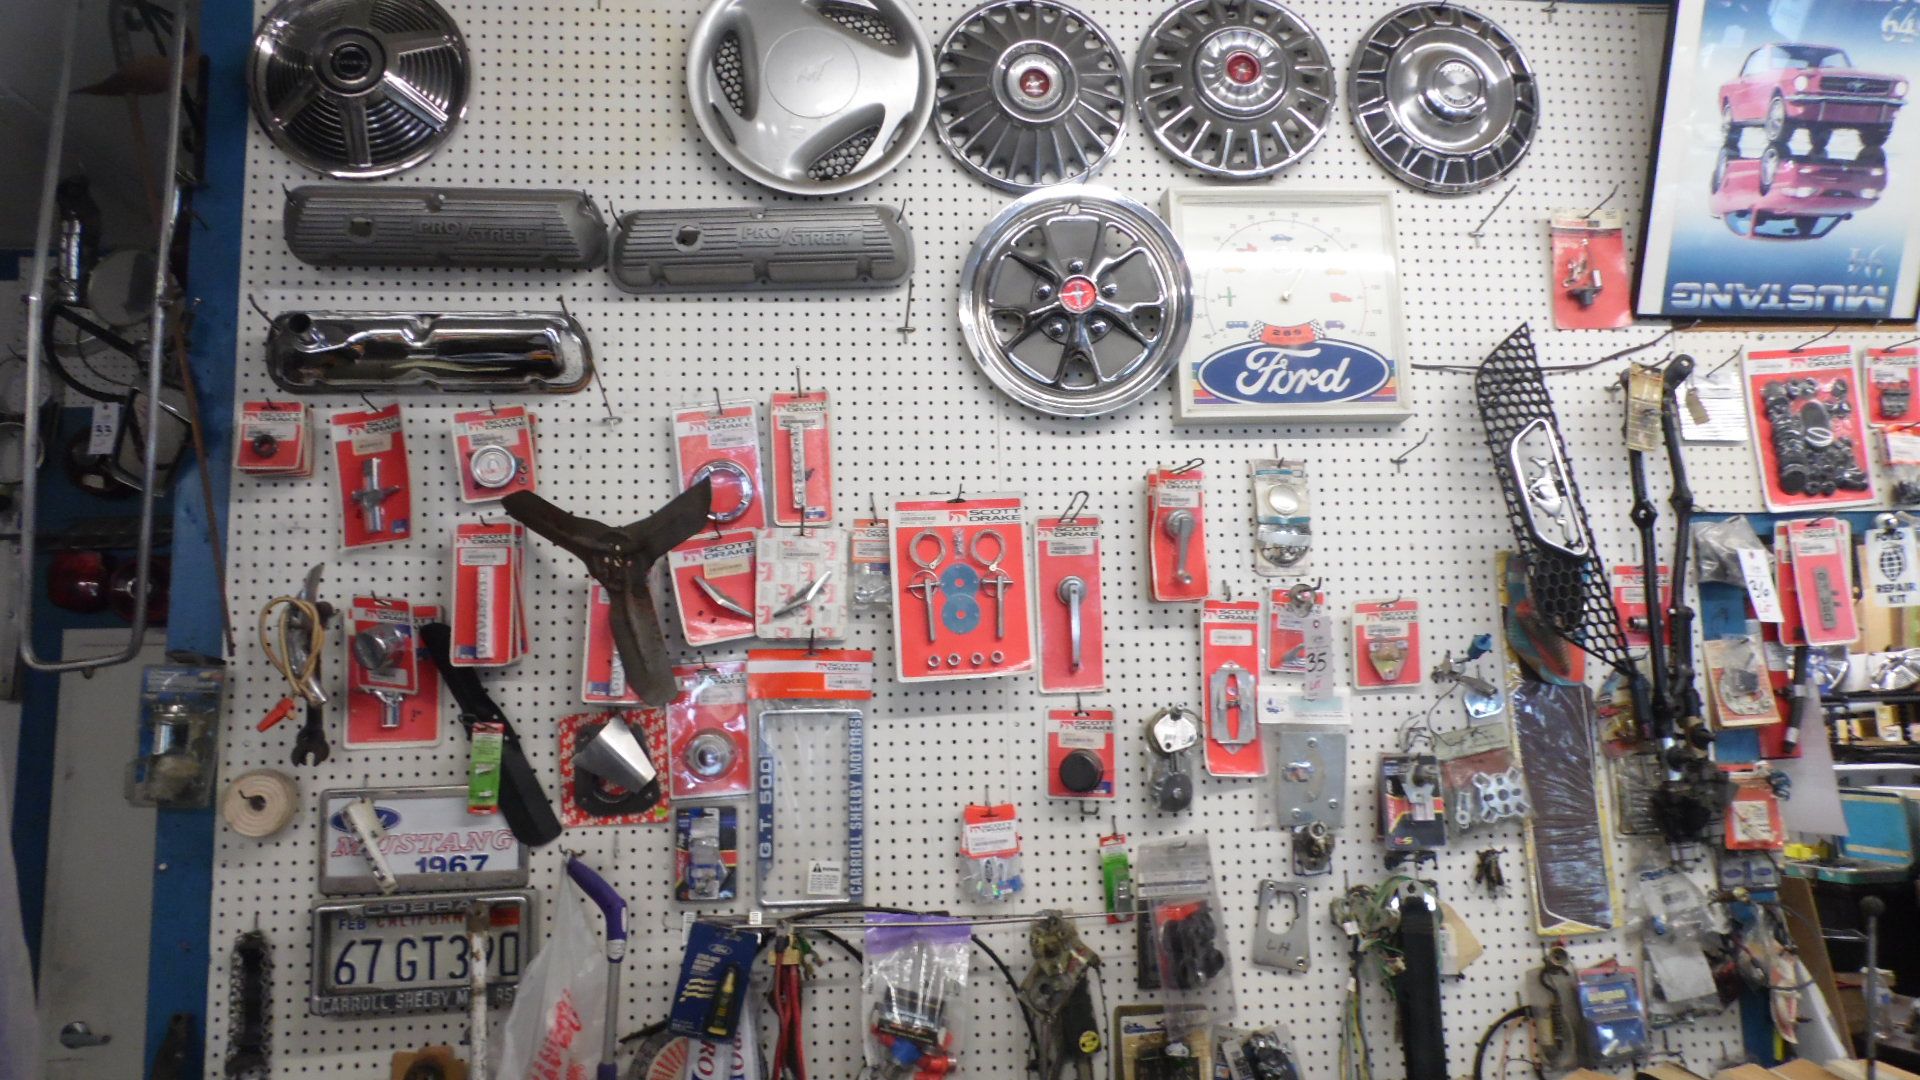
156	353
1072	591
1179	525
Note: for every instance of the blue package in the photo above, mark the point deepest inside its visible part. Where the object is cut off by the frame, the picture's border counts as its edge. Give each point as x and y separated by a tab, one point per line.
713	981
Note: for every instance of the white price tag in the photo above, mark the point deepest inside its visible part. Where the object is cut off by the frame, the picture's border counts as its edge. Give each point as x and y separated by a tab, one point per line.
1757	568
1317	651
106	427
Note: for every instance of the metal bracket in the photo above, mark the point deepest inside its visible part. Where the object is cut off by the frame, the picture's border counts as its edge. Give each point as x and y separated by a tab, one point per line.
1312	782
1287	949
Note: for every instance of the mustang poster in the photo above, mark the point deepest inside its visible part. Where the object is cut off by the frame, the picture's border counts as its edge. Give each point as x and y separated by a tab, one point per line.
1786	163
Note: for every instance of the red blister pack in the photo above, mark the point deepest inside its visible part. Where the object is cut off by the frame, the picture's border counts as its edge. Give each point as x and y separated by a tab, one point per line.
1177	534
1067	579
950	618
802	458
489	566
1230	677
650	727
1823	579
1386	645
708	753
1592	285
1289	617
1891	385
493	449
368	721
721	442
1080	753
603	678
1630	601
274	438
1806	402
713	585
376	493
1791	632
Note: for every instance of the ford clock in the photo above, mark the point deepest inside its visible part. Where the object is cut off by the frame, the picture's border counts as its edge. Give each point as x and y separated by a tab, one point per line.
1296	300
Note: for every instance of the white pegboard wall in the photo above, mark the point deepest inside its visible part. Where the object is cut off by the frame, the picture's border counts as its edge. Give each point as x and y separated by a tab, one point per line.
589	94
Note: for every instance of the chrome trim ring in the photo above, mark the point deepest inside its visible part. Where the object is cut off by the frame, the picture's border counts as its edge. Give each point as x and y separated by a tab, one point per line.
356	89
1443	98
1076	300
1238	89
740	475
1030	93
811	97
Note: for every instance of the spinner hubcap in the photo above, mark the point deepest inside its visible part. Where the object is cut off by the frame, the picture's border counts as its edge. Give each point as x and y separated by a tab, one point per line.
1443	98
1031	93
1075	301
1238	89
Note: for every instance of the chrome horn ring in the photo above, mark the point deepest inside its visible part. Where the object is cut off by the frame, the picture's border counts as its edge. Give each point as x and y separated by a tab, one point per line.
811	97
1031	93
1076	300
1443	98
358	90
1238	89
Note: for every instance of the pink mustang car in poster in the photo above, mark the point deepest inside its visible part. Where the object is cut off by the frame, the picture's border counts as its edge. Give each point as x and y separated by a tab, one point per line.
1787	87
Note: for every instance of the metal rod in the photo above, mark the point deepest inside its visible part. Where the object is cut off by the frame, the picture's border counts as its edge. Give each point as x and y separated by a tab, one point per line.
156	350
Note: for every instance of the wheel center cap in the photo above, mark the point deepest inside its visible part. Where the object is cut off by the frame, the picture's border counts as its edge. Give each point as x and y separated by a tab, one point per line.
1034	83
1243	68
1078	294
1456	90
812	73
352	61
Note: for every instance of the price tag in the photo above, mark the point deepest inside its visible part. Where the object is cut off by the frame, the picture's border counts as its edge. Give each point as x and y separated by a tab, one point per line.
1317	650
1758	570
105	431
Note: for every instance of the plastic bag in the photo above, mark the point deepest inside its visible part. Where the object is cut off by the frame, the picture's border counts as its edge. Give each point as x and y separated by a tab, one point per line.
554	1031
1717	546
913	994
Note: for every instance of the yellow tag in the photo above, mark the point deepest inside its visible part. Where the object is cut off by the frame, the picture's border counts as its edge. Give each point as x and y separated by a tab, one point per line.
1089	1042
1643	408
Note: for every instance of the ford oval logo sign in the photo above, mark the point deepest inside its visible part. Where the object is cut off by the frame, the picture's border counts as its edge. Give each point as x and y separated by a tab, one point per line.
1319	373
386	815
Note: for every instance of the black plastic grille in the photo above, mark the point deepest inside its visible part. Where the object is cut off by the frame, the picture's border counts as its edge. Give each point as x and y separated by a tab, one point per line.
1569	593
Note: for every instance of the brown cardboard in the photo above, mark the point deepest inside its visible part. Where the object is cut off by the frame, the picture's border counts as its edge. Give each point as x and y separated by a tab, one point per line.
1745	1072
1854	1069
1803	925
1802	1069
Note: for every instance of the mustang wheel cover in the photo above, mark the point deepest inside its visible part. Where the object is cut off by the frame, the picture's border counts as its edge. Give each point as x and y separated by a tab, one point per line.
358	89
1076	300
1238	89
811	97
1031	93
1443	98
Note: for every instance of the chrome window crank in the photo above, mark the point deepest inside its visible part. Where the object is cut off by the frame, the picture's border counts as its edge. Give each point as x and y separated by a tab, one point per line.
1179	525
1072	591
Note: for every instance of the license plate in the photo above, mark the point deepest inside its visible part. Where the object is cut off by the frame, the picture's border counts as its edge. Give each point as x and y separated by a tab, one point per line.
410	955
431	841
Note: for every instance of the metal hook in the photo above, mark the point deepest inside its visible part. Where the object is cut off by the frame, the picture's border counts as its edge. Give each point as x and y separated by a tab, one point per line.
873	507
605	402
719	407
1192	464
1226	589
371	407
959	494
262	312
1597	207
1831	330
1480	230
1079	708
906	310
813	645
799	384
1885	349
492	408
1402	459
1669	332
1076	503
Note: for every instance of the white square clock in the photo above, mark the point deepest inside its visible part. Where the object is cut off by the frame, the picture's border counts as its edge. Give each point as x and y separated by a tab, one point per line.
1296	307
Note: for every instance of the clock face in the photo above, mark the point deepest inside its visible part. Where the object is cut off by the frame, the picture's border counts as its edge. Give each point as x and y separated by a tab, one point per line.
1296	307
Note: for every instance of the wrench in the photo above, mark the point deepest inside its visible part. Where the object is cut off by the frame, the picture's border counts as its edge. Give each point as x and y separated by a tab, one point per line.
310	746
1179	525
1072	591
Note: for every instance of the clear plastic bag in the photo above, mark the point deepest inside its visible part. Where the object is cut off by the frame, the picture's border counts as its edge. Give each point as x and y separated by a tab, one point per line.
554	1031
1717	546
913	994
1174	876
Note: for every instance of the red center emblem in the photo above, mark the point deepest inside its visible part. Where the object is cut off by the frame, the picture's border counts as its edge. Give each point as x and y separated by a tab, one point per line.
1243	68
1035	83
1077	294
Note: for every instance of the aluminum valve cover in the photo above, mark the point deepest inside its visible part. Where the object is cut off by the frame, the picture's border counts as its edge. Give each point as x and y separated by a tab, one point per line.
811	97
1443	98
1075	300
358	88
1238	89
395	225
1031	93
746	247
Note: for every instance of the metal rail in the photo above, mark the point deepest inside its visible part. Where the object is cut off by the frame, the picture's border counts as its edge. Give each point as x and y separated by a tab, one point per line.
169	210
